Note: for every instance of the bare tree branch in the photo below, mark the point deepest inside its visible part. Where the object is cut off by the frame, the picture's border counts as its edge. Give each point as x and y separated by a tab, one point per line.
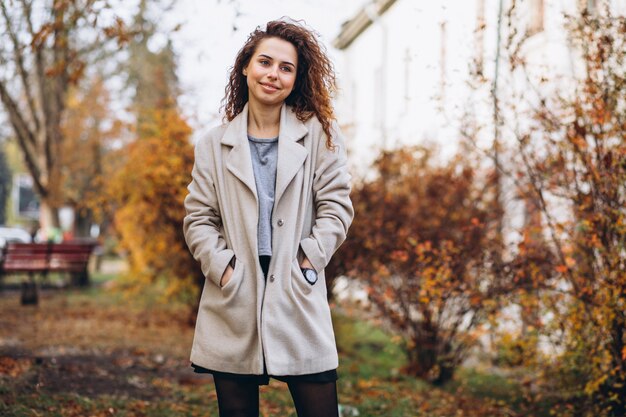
21	68
24	137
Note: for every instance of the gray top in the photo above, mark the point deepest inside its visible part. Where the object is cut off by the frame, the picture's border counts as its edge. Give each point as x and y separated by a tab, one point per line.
264	153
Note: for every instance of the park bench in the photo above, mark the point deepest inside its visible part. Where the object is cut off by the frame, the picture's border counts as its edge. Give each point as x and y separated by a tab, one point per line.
43	258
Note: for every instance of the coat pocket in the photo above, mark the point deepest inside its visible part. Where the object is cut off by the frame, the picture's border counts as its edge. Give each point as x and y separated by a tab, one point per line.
300	283
235	279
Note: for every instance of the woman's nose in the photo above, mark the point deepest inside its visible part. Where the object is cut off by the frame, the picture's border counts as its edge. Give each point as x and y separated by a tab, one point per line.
273	72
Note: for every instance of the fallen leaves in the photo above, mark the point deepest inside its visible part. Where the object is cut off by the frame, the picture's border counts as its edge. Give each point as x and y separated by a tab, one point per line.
14	367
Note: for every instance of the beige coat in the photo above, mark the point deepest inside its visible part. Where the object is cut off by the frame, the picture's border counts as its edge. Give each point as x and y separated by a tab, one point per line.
285	320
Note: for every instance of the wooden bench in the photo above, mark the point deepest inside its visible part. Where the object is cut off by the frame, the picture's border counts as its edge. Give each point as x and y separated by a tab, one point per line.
43	258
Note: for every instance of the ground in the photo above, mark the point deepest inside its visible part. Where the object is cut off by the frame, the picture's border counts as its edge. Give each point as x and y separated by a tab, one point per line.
94	353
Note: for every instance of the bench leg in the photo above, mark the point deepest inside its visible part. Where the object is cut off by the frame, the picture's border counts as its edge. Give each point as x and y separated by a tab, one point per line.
30	293
80	279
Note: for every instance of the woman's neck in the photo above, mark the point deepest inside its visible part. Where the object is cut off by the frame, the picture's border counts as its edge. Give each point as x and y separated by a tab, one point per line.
263	121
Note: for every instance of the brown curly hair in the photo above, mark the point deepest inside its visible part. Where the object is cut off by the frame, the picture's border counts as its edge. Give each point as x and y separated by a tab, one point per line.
315	77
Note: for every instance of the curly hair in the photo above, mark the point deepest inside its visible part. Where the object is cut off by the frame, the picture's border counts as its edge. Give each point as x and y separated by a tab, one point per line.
315	77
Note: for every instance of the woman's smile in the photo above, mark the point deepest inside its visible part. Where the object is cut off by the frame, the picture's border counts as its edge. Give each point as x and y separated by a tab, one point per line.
269	87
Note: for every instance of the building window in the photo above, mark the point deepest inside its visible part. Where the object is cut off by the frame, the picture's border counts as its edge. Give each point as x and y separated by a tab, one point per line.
535	24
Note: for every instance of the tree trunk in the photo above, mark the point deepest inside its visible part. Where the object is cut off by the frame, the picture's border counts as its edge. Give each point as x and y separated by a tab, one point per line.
48	215
422	357
427	360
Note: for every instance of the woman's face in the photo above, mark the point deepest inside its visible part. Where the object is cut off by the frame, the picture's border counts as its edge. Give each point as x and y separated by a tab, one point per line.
271	72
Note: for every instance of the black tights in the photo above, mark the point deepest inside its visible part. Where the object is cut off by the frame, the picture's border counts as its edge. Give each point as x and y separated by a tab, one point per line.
241	399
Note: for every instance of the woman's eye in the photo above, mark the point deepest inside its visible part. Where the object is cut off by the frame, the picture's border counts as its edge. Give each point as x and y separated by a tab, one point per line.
264	62
287	69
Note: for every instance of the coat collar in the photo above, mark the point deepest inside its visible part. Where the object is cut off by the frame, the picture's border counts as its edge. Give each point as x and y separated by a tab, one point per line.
291	154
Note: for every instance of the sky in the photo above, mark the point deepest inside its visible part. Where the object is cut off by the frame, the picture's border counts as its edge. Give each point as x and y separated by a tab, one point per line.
213	31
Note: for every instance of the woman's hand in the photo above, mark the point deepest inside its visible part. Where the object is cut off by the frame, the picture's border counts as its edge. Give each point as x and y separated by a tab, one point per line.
306	264
226	276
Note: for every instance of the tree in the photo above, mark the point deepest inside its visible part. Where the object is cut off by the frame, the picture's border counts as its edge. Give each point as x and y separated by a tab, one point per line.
146	194
146	188
151	75
90	129
570	160
421	242
45	48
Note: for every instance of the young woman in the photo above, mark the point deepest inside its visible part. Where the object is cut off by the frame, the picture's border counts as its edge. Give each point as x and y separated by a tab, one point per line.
267	207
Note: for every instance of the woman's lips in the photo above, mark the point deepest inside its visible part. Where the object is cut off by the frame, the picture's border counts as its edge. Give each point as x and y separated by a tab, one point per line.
269	87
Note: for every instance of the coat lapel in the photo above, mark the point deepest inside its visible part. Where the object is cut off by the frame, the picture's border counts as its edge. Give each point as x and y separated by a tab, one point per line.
291	154
239	161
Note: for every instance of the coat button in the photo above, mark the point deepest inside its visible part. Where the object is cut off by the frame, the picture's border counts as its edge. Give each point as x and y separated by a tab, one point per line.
272	278
280	222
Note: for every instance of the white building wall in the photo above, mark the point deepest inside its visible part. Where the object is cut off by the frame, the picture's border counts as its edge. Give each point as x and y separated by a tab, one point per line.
424	51
404	79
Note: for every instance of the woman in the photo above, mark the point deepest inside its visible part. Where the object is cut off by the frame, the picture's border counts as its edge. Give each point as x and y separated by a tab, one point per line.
267	207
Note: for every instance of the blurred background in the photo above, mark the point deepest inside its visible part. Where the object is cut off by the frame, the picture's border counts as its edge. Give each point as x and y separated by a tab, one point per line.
484	273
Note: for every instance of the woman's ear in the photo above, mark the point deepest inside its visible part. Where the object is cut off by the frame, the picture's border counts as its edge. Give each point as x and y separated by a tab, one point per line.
245	73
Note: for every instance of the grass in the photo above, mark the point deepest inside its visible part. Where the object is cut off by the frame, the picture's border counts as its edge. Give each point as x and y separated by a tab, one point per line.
93	352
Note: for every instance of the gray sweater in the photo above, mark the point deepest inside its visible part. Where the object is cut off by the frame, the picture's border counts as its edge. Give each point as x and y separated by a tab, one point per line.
264	153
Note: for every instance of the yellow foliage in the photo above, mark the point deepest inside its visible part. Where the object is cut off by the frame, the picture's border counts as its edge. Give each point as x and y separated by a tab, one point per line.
146	194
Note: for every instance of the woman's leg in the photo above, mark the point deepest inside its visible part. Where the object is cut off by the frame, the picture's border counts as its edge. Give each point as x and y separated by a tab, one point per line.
237	398
315	399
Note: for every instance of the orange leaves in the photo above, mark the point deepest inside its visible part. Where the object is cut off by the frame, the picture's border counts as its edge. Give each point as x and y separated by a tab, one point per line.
573	160
562	269
419	240
148	194
399	256
570	263
14	367
118	31
39	37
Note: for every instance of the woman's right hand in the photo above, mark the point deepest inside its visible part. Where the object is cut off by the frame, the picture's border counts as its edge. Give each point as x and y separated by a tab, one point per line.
226	276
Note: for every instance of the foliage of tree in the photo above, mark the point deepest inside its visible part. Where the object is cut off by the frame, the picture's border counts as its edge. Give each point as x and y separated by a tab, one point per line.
146	193
421	242
151	75
90	130
571	167
147	183
45	48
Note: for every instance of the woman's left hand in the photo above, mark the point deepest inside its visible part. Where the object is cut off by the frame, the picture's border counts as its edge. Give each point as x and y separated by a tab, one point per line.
306	263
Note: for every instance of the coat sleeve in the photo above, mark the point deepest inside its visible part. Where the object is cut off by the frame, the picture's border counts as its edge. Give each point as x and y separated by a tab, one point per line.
331	193
203	220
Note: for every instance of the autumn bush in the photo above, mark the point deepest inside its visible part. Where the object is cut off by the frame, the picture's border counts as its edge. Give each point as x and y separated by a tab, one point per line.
421	241
570	164
146	194
145	181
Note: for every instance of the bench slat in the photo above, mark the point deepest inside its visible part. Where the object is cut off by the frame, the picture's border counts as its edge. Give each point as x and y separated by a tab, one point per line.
44	257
